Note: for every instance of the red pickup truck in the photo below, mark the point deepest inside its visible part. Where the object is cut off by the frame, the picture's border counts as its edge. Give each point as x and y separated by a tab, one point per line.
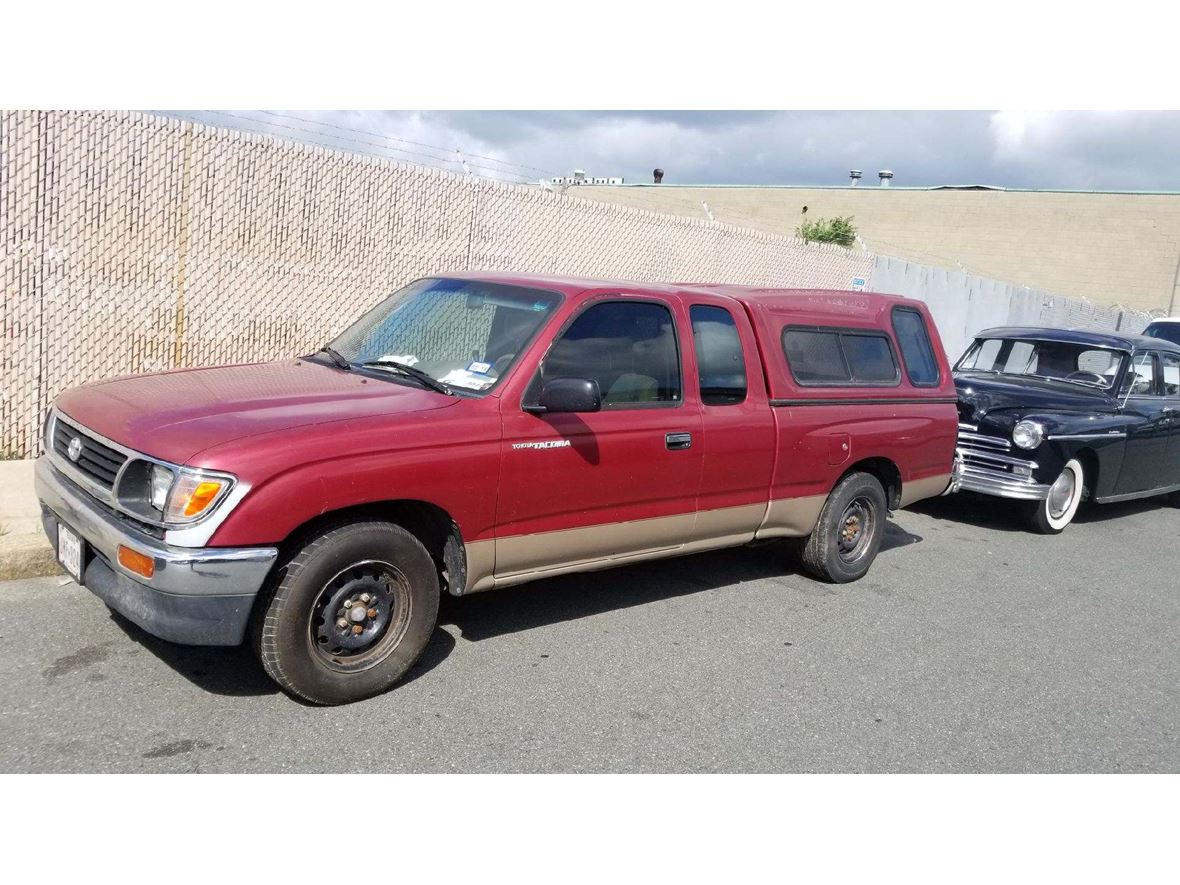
479	431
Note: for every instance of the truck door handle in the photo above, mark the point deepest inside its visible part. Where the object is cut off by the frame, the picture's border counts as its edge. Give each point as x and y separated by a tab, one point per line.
675	441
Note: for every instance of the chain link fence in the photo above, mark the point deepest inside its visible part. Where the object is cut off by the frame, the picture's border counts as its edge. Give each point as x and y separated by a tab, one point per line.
132	243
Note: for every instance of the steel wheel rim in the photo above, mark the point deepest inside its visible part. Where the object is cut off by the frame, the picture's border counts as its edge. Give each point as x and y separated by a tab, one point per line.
855	529
341	607
1061	494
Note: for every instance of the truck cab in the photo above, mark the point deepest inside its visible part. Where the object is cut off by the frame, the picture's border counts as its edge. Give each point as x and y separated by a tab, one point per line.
476	431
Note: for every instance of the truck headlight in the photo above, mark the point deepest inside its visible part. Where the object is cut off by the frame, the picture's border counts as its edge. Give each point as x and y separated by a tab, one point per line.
159	484
1028	434
168	495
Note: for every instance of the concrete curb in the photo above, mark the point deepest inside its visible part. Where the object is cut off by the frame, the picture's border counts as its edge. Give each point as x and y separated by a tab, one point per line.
27	556
25	552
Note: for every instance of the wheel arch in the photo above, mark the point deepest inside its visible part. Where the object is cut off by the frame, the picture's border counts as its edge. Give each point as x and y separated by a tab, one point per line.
885	471
429	523
1091	470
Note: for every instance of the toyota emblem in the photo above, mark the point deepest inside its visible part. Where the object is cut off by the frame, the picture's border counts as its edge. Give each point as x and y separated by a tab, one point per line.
74	450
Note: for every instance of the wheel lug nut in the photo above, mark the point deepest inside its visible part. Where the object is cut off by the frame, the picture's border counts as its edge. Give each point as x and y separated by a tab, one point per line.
342	623
348	603
365	598
357	629
372	613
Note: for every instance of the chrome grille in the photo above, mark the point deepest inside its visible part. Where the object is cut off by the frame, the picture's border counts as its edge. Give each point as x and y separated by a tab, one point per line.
97	462
991	453
989	466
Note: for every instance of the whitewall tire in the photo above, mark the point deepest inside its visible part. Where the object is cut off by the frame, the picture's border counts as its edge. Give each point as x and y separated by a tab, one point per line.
1052	515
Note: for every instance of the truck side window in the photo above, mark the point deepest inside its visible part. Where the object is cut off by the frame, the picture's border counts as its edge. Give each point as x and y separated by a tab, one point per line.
815	357
916	351
840	357
628	347
720	362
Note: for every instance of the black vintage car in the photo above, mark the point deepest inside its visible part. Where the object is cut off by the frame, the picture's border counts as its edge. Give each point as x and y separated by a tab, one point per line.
1049	416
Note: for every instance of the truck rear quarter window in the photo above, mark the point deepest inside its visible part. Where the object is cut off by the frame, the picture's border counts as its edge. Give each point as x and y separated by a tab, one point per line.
720	362
839	357
916	351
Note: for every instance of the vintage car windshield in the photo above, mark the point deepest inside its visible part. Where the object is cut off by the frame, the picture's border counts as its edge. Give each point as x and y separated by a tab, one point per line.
1052	360
463	333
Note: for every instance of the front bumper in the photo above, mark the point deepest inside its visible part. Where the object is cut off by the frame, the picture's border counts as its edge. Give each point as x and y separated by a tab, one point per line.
989	468
197	596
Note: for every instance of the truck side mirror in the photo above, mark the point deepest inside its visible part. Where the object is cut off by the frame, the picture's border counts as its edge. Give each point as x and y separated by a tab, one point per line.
568	395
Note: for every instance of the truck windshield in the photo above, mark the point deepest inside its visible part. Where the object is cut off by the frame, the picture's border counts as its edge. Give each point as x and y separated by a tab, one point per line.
462	333
1050	360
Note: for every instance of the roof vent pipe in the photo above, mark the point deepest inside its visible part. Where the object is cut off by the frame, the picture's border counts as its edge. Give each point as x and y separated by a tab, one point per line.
884	175
854	175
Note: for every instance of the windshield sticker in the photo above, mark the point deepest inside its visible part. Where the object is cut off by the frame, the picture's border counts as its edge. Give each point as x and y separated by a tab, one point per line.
404	359
468	380
479	368
541	305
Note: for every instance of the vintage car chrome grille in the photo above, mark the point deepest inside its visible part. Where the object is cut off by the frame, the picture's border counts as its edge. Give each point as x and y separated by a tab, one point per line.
989	467
97	462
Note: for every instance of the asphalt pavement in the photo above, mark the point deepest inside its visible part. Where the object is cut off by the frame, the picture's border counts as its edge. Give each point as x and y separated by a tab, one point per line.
971	646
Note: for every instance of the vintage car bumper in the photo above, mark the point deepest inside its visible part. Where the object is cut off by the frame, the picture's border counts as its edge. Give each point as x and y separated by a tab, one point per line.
196	596
991	467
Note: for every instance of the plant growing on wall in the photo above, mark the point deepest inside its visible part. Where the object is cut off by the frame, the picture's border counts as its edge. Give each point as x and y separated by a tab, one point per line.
840	231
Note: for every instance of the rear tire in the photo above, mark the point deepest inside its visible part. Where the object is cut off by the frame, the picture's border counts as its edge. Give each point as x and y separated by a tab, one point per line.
348	614
1052	515
848	534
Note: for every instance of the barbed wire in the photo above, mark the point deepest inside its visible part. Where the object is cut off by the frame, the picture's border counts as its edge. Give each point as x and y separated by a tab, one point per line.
447	158
468	154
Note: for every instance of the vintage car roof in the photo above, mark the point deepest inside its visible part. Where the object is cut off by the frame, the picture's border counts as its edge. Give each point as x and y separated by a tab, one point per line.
1119	340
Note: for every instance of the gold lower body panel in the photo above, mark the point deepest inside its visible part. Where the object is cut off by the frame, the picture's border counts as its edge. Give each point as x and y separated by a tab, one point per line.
519	558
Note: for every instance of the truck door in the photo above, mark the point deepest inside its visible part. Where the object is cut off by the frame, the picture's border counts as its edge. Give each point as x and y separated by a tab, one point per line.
1147	437
737	425
608	485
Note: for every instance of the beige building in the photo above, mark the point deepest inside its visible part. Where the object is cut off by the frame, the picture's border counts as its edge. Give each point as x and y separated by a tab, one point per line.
1113	248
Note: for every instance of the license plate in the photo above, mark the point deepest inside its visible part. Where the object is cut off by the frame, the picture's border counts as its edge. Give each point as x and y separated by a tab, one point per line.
69	552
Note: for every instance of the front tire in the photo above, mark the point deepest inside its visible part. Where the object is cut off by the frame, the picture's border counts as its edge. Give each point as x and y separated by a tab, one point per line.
848	534
1052	515
349	613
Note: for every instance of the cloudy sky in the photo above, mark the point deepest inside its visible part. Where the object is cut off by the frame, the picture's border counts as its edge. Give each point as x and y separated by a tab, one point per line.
1102	150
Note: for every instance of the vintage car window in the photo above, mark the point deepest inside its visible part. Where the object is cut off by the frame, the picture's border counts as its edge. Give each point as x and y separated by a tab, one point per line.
916	349
839	357
1021	359
988	352
628	347
1141	379
1052	360
1171	374
720	362
465	333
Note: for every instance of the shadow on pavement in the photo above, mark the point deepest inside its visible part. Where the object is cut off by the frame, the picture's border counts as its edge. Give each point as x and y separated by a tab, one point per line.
1002	514
235	671
226	670
567	598
983	511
